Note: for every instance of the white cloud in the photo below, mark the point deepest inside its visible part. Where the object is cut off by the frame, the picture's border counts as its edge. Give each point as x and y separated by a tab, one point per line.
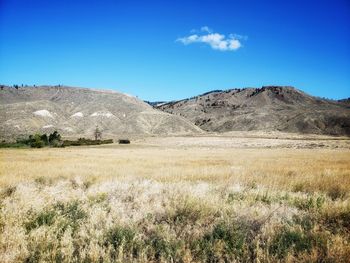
214	40
206	29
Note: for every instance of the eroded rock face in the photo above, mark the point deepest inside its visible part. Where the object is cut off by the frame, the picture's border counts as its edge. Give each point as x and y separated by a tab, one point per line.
75	112
269	108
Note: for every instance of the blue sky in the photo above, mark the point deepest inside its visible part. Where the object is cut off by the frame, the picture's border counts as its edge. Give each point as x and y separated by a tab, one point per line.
165	50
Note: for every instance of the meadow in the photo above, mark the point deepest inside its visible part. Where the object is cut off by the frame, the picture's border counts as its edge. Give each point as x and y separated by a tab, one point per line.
177	200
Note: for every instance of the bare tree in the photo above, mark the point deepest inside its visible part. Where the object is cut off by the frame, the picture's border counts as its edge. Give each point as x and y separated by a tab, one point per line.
98	134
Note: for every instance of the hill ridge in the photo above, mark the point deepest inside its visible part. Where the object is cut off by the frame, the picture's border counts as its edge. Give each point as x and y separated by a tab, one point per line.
269	108
75	112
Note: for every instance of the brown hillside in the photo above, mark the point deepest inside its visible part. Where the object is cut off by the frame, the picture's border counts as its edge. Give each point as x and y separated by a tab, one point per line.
270	108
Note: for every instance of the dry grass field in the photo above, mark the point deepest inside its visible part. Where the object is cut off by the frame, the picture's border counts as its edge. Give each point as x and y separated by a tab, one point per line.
203	199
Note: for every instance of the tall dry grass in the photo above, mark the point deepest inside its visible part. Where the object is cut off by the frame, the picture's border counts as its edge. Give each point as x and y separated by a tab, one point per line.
155	204
306	170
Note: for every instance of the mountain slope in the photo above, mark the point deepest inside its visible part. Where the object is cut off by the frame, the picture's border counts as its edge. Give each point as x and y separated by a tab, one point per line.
75	112
270	108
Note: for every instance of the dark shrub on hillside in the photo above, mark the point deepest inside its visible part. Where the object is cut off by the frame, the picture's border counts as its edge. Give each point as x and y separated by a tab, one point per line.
124	141
107	141
41	140
54	136
83	141
13	145
45	139
37	141
56	143
53	140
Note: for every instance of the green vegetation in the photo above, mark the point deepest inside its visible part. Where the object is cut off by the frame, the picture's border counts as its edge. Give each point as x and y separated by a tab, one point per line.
13	145
65	214
40	140
53	140
83	141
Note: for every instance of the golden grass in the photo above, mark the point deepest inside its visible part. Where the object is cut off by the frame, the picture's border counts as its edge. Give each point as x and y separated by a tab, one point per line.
316	169
141	203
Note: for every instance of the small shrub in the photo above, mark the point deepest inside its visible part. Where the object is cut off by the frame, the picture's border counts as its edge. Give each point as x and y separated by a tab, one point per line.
71	211
108	141
56	143
264	198
37	142
55	136
337	220
224	239
120	236
13	145
309	203
98	198
46	217
298	187
252	185
161	248
236	196
288	240
300	239
89	182
83	141
124	242
60	214
8	191
306	222
188	212
42	180
336	192
44	139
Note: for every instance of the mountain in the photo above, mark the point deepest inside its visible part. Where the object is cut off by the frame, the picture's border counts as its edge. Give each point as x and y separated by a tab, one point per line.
345	101
270	108
155	103
75	112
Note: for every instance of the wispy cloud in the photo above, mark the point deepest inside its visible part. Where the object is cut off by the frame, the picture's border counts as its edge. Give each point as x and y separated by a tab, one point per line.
206	29
214	40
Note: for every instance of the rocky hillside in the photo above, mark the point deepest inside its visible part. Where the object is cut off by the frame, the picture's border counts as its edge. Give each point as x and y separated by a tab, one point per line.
75	112
270	108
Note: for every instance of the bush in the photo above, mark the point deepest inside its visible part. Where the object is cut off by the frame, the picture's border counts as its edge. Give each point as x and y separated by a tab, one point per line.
13	145
337	219
164	249
46	217
53	140
37	142
63	215
301	237
224	241
124	141
83	141
56	143
54	136
45	139
120	236
336	192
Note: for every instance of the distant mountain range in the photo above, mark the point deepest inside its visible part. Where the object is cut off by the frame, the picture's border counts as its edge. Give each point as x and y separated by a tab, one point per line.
270	108
75	112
